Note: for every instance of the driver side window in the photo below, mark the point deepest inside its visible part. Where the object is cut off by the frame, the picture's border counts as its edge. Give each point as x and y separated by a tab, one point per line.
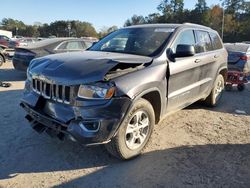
185	37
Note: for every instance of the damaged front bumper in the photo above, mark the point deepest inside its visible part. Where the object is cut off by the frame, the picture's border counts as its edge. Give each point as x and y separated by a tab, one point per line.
91	123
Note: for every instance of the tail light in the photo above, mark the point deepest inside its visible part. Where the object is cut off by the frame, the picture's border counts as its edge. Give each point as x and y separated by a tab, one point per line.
245	58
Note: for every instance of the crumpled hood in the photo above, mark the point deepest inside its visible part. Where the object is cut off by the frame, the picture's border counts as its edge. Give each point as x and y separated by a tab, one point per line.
82	67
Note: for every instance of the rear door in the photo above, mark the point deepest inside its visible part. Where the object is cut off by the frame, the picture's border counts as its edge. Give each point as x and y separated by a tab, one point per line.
183	86
208	58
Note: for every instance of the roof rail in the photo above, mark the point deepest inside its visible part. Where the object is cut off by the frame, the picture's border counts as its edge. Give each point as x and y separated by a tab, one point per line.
187	23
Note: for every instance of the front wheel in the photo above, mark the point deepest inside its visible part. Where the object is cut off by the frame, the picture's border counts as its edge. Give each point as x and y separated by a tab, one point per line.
134	132
1	60
216	93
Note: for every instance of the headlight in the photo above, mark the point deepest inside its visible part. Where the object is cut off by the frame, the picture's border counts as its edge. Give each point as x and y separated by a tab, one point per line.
95	92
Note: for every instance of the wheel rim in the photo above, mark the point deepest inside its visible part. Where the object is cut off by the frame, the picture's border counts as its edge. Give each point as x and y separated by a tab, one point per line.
137	130
218	90
1	60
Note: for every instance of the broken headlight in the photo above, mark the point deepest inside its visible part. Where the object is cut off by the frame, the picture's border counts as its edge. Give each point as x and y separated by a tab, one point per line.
95	92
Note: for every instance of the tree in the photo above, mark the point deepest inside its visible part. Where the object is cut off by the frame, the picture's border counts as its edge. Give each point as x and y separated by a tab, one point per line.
201	6
106	30
82	29
30	31
152	18
13	25
215	18
233	6
171	6
135	20
171	10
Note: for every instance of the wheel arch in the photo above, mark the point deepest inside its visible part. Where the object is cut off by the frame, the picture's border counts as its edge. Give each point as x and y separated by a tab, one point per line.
4	60
153	96
223	72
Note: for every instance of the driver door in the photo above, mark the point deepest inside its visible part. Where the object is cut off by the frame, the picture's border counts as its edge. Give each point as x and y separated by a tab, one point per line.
183	86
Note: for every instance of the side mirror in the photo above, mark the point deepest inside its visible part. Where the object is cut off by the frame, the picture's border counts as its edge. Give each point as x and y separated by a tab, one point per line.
184	50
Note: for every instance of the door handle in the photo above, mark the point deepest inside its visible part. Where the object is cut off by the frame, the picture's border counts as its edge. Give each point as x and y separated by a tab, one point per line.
216	56
197	61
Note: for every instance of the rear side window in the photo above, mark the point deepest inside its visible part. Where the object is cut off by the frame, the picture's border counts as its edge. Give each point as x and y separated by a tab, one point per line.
74	45
71	45
216	41
87	44
185	37
62	46
204	43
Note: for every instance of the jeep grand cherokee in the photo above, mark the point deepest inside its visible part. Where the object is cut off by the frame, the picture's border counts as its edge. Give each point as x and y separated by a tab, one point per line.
116	91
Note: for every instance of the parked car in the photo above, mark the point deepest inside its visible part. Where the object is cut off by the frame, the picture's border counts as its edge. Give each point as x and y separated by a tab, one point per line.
239	56
6	41
2	54
24	55
246	42
115	94
26	41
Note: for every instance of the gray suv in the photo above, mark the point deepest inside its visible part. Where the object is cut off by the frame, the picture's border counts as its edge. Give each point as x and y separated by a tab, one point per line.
116	91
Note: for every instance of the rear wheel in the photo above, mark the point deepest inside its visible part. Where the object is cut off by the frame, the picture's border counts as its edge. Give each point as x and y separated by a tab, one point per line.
134	132
216	93
241	87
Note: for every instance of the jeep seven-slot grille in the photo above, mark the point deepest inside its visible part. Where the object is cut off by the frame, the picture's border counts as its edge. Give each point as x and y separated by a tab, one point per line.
55	92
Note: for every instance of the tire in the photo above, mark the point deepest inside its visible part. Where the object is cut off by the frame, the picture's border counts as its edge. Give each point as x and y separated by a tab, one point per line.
216	93
241	87
131	138
1	60
228	87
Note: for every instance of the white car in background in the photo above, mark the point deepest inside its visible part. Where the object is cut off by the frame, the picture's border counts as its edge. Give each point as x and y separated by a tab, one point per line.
26	41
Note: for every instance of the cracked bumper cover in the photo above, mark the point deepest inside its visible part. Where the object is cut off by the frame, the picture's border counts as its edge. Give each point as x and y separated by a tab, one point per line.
89	123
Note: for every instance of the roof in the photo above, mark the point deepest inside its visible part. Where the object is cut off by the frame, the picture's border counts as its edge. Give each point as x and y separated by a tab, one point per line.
154	25
170	25
46	42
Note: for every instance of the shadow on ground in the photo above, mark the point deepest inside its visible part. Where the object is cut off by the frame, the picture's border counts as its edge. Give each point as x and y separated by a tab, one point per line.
229	103
11	75
203	166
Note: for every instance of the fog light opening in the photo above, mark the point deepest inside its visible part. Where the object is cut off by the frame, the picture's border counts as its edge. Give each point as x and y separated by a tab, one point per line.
90	126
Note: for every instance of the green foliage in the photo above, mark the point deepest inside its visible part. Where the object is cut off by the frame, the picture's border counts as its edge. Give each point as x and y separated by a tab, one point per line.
58	28
106	30
236	17
135	20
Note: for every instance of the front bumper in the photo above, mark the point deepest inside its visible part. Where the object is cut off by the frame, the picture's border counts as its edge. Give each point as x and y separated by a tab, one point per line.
89	125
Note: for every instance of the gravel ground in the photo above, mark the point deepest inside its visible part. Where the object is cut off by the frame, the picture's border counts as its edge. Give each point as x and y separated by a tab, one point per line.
195	147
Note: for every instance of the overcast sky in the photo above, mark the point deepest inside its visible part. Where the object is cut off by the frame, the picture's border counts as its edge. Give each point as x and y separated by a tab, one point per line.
98	12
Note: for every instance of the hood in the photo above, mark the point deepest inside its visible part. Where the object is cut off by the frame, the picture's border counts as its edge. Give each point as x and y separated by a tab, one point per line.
85	67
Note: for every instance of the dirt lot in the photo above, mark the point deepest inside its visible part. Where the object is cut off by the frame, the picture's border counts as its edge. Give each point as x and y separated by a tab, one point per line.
197	146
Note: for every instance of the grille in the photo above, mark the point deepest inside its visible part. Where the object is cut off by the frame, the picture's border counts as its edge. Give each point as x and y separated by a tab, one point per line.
59	93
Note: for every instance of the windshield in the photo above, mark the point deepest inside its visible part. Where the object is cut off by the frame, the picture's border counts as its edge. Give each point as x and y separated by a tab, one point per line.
139	41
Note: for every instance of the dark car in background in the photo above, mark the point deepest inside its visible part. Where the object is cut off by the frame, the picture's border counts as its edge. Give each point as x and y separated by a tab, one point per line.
24	55
239	56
